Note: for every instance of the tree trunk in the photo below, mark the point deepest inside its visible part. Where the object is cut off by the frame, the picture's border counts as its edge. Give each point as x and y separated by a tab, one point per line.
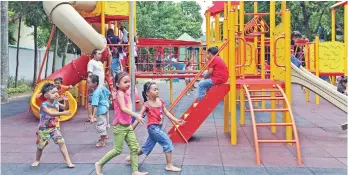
17	56
306	17
48	57
35	55
55	52
4	51
65	51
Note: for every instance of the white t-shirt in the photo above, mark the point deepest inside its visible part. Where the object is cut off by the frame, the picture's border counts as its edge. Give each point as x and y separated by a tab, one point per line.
97	68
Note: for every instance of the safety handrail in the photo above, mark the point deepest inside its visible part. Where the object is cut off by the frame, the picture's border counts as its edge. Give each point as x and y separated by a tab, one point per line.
196	77
242	39
46	53
275	51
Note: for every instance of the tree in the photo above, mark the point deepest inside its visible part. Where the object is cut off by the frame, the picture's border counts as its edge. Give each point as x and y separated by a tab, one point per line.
17	55
168	20
4	51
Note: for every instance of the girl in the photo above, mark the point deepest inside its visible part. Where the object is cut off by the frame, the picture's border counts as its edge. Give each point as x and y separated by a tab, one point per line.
123	130
49	123
189	67
154	109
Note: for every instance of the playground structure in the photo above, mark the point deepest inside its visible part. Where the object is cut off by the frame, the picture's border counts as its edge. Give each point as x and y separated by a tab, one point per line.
244	48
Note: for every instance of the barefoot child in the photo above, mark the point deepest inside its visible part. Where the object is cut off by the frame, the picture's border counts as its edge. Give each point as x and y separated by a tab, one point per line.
48	126
100	104
217	73
188	67
154	109
123	130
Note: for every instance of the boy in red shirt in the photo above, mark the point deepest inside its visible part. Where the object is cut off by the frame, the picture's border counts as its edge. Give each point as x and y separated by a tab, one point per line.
217	73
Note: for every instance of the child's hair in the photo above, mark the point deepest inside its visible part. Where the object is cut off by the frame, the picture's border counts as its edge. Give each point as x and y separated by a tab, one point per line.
147	87
118	77
94	78
213	50
94	52
343	80
60	79
115	53
297	34
47	87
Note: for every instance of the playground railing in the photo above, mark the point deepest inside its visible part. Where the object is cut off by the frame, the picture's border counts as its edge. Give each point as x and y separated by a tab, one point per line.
196	77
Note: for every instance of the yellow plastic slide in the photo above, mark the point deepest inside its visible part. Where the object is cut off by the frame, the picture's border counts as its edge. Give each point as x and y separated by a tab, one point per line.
322	88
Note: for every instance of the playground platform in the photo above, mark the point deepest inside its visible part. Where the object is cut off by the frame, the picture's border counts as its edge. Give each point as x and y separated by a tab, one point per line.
323	144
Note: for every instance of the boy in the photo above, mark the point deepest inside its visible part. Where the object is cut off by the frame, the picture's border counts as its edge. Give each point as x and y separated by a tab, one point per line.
100	103
217	73
49	124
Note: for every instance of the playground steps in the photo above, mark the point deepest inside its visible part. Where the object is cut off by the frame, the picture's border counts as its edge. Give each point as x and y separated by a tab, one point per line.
280	96
197	113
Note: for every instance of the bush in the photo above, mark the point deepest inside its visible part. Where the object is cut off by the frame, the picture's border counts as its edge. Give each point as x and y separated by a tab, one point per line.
19	89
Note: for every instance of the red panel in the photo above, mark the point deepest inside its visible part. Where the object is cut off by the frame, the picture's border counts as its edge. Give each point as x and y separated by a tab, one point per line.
199	113
218	7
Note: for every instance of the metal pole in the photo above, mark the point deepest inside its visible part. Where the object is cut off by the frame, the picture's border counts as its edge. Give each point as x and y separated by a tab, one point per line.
131	51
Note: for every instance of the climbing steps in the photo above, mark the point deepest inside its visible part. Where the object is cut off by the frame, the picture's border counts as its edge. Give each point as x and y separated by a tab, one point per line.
279	97
197	113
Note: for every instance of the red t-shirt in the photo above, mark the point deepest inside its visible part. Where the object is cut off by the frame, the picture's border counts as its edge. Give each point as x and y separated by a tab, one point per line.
154	114
220	71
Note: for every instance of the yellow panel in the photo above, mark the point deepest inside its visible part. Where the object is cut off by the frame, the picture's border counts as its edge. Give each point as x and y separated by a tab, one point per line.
280	59
251	68
120	8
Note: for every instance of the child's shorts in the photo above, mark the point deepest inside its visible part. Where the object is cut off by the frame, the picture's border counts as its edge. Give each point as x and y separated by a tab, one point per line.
43	135
103	124
156	134
90	95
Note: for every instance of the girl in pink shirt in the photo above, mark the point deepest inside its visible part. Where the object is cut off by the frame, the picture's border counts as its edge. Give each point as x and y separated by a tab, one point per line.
155	109
123	130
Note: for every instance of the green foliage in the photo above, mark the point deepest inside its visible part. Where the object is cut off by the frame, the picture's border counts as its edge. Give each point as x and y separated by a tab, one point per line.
20	89
11	30
11	82
159	19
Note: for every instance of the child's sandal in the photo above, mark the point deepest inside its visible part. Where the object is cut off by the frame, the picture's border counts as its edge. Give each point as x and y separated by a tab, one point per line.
100	144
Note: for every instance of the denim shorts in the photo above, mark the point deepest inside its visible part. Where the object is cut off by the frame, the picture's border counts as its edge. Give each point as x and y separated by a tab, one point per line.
90	98
156	134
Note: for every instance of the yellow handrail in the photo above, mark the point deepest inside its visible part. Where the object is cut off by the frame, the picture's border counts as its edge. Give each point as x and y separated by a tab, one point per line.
196	77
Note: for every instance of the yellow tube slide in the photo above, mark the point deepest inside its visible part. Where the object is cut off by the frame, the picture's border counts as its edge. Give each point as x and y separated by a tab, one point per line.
35	101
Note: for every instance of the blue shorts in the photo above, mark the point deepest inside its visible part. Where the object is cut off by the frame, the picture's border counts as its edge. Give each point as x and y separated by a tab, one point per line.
156	134
90	98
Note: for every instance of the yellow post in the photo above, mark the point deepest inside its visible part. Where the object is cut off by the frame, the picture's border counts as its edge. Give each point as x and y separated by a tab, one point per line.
232	70
242	47
333	25
135	18
217	28
317	97
212	33
307	59
283	8
287	54
225	35
115	28
170	90
102	16
207	32
262	59
256	104
345	39
273	66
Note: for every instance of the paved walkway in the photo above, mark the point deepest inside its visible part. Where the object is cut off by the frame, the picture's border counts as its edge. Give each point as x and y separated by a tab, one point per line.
323	144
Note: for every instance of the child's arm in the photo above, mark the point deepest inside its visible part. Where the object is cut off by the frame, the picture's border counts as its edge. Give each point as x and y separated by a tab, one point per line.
66	87
66	103
171	117
54	114
210	71
142	111
123	107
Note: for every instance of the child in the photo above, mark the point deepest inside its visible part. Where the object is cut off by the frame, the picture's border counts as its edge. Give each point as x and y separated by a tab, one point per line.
48	126
217	73
154	109
188	67
58	82
123	130
342	85
100	103
115	66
